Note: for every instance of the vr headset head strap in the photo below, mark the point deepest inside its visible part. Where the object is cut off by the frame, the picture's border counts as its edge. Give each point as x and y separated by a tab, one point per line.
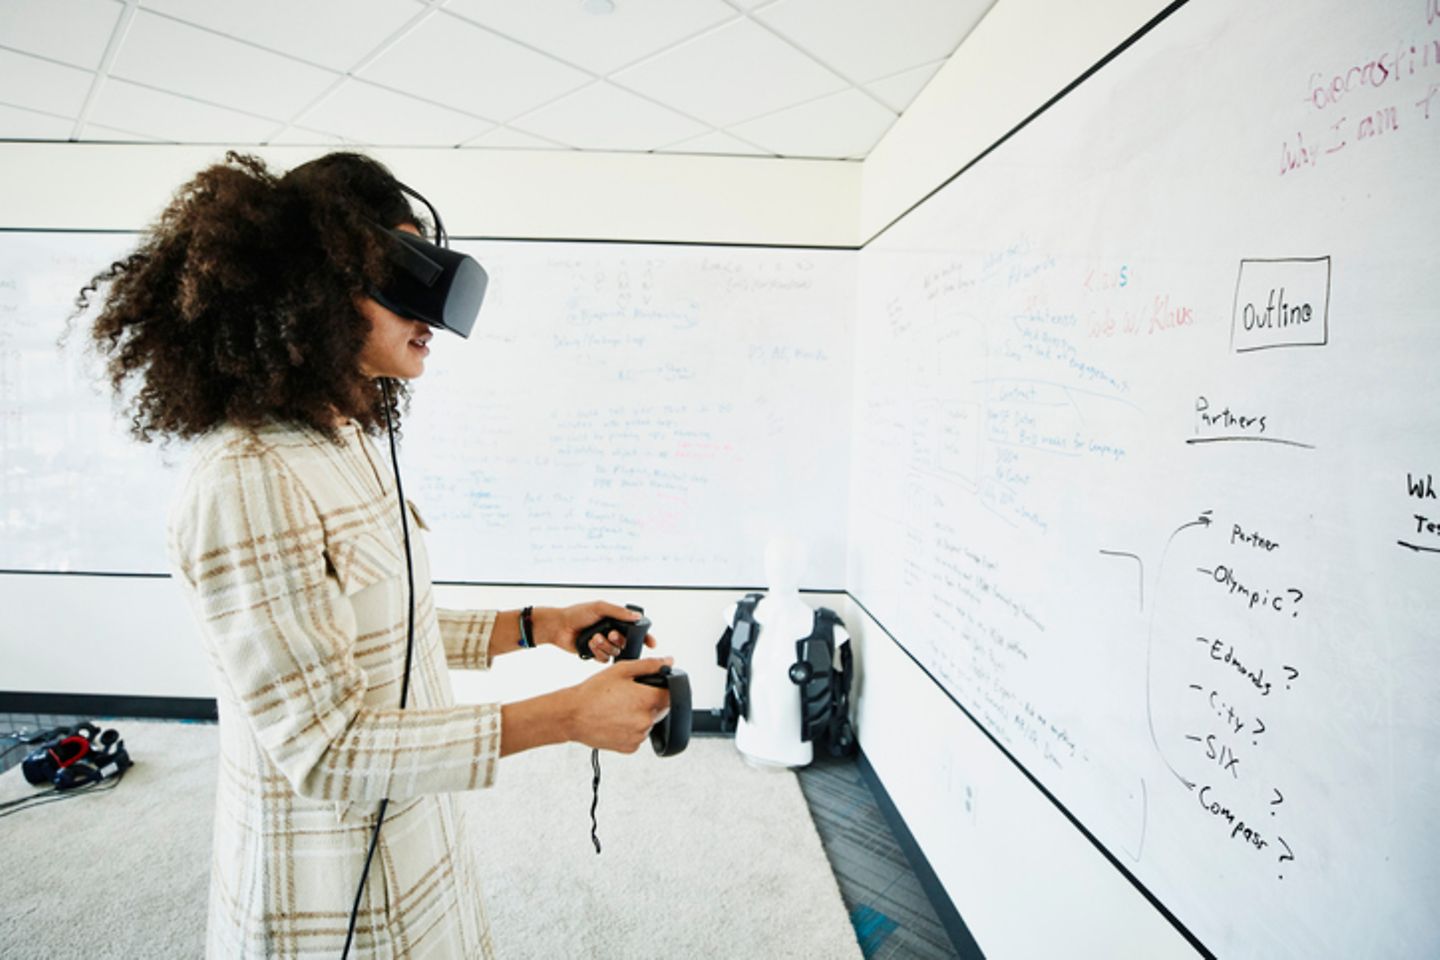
442	239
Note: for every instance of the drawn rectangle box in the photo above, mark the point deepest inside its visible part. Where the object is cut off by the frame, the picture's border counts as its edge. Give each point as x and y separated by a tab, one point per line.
1281	303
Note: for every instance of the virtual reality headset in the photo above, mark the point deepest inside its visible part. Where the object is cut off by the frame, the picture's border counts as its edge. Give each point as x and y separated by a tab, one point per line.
432	284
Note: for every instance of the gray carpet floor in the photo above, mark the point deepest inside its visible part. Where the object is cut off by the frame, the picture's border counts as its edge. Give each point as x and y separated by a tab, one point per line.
730	865
889	909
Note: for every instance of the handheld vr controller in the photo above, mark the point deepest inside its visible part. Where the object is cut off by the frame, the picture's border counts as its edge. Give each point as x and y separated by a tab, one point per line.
671	735
634	631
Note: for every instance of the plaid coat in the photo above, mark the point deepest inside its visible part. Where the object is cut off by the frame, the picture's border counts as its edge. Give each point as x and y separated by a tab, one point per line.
289	547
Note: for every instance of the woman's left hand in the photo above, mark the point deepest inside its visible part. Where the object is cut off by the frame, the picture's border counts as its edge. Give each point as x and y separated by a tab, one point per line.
561	625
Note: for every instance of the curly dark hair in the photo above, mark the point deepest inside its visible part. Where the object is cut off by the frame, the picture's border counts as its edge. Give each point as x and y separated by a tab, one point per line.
239	304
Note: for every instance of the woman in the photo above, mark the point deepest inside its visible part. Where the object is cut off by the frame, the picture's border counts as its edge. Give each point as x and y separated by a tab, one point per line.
243	322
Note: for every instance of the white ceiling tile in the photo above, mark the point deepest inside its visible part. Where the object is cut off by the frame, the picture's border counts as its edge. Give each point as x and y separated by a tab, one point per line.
604	117
172	56
333	33
727	77
153	113
716	142
42	85
732	73
505	138
865	40
454	62
637	28
17	124
71	31
899	91
364	113
844	125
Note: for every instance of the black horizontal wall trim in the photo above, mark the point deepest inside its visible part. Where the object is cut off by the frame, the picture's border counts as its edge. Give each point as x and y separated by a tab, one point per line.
508	585
104	574
177	708
478	238
108	705
111	230
722	244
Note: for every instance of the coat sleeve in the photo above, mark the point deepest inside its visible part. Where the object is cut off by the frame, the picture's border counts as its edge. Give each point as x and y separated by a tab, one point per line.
466	635
249	546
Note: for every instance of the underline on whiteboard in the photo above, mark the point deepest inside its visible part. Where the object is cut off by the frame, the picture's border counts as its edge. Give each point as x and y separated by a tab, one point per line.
1417	548
1288	443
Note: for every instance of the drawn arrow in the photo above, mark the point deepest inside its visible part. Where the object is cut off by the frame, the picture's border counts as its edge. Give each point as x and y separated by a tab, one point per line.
1189	784
1202	521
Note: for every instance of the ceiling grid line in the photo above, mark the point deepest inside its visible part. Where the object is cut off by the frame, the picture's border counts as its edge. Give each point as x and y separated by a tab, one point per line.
162	15
30	54
429	10
607	77
35	110
783	79
191	98
798	48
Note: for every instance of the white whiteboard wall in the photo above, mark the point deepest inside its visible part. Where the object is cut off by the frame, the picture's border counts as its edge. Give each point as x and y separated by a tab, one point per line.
1072	458
643	413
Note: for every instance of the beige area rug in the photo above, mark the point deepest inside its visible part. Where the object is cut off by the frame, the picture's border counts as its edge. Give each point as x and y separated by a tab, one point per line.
702	857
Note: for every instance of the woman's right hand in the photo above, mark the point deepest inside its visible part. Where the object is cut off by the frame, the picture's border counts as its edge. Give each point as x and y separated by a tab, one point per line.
613	712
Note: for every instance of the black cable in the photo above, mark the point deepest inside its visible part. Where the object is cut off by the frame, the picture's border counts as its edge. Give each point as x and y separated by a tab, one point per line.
405	530
409	649
595	802
364	874
54	796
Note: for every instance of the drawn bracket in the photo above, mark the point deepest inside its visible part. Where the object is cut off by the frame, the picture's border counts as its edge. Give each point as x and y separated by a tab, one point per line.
1140	563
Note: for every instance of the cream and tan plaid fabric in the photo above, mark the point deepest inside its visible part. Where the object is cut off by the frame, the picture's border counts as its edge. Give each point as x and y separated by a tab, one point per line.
289	547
